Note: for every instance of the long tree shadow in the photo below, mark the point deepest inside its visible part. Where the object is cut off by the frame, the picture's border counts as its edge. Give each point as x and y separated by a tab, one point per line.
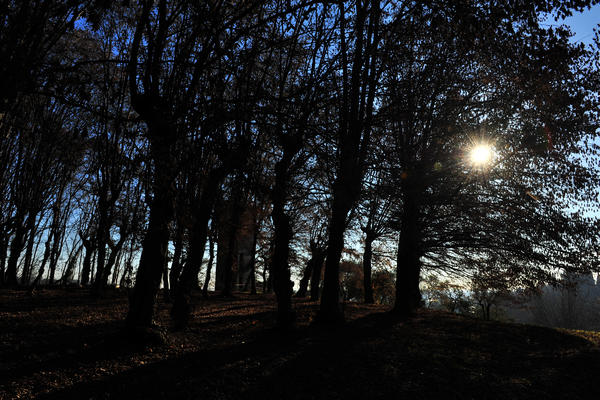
71	345
220	373
377	356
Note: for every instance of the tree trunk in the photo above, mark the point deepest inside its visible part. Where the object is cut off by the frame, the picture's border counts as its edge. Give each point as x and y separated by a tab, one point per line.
54	254
57	243
165	279
408	267
115	249
280	269
211	257
152	260
4	239
176	263
102	240
367	258
16	246
70	269
31	228
315	279
42	269
264	278
87	261
252	276
230	237
181	310
303	289
125	278
330	310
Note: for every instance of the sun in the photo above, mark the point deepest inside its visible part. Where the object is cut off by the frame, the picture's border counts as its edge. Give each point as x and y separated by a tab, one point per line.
481	154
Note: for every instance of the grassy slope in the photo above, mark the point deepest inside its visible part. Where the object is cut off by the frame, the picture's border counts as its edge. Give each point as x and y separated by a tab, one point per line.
61	344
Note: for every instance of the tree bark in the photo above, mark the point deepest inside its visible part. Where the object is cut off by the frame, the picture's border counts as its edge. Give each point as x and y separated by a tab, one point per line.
88	244
303	288
330	310
165	278
280	269
367	259
252	278
57	242
230	237
147	283
31	228
315	280
102	240
354	130
42	269
181	310
211	258
125	279
4	239
16	247
408	267
70	269
176	263
115	250
264	278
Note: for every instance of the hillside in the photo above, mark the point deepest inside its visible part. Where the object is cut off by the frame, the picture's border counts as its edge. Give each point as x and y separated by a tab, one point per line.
62	344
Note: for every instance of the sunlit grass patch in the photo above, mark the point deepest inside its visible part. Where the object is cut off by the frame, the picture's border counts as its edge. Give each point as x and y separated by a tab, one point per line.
592	336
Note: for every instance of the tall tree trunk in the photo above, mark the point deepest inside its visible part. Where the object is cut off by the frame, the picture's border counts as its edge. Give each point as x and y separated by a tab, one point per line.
16	247
280	268
54	255
315	280
176	263
102	240
165	279
252	277
125	278
45	257
181	311
408	267
330	310
303	289
88	244
70	269
31	228
355	115
367	258
230	237
115	250
264	278
152	260
58	236
4	239
211	258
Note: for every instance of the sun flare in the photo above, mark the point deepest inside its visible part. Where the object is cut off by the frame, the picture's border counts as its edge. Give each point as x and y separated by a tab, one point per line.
481	154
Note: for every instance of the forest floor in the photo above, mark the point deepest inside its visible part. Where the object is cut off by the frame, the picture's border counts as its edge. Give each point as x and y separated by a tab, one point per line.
62	344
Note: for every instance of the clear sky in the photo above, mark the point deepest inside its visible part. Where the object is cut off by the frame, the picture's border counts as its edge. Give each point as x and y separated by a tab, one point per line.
583	24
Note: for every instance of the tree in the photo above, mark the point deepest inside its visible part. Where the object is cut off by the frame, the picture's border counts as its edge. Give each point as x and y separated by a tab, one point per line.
293	112
359	38
28	34
166	72
376	208
463	75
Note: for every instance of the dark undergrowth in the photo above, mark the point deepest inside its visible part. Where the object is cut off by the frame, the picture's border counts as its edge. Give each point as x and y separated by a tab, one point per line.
61	344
